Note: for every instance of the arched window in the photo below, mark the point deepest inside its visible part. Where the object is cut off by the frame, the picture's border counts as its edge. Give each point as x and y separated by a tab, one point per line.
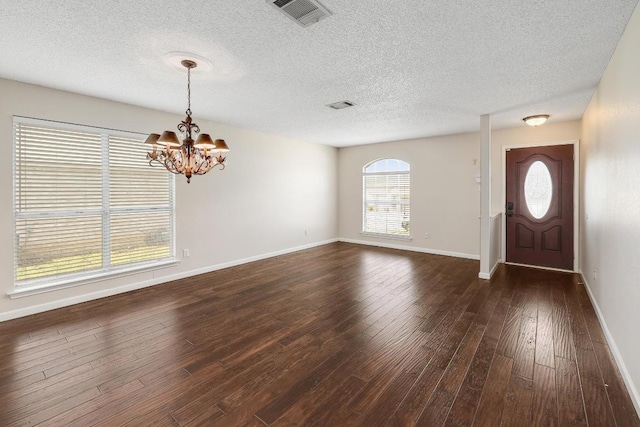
385	196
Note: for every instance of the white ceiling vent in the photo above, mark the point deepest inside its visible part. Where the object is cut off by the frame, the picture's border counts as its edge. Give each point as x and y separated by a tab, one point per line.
304	12
340	105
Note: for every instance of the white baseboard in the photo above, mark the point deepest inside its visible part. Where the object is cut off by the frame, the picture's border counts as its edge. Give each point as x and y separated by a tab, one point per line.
27	311
411	248
633	391
488	276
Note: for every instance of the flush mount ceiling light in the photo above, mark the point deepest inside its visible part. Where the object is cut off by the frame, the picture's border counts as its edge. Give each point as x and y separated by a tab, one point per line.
189	157
536	120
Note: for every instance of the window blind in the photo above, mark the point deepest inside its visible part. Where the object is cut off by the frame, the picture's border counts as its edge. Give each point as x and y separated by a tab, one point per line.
86	202
386	200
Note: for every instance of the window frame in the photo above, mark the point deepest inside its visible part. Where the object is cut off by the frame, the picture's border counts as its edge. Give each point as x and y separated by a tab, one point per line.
365	201
48	283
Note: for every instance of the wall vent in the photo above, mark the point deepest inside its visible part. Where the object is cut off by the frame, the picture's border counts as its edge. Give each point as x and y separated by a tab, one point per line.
340	105
304	12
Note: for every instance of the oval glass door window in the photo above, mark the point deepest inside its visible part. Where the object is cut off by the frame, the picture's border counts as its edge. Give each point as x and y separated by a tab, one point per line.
538	189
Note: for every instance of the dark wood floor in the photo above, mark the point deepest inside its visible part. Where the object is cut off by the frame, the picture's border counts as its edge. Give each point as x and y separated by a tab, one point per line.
337	335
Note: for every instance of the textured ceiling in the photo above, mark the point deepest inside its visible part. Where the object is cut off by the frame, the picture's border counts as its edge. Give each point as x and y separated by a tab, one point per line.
414	68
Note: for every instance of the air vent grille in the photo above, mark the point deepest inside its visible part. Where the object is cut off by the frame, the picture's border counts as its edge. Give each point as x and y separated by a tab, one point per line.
304	12
340	105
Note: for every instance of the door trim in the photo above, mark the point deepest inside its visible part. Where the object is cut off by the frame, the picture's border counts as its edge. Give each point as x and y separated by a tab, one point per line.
576	195
540	267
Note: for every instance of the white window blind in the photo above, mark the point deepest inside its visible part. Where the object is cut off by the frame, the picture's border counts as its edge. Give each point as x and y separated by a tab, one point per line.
386	198
86	203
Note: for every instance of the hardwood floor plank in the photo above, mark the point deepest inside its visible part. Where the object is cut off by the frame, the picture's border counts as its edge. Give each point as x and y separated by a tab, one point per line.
37	391
389	399
20	383
172	389
491	404
436	410
466	402
623	409
562	339
524	354
278	406
508	342
411	406
52	410
544	352
212	416
69	417
255	387
570	401
596	401
316	408
518	402
171	359
545	407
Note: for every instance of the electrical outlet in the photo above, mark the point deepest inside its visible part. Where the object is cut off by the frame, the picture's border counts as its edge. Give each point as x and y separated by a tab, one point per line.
185	253
595	274
306	233
426	235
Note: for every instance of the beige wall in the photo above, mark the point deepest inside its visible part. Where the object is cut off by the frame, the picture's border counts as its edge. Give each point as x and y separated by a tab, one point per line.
610	211
272	190
445	197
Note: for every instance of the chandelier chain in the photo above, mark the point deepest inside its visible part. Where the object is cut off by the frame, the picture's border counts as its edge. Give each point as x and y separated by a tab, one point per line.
188	92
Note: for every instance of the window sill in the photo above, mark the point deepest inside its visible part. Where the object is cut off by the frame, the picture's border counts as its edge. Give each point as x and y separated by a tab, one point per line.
41	288
386	236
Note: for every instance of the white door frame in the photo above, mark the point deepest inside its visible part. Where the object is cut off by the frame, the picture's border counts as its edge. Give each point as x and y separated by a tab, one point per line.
576	195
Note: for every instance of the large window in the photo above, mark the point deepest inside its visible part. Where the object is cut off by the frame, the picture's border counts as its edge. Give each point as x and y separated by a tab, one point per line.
86	204
386	209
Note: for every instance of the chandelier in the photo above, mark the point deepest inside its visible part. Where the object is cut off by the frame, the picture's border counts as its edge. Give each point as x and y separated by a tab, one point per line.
189	157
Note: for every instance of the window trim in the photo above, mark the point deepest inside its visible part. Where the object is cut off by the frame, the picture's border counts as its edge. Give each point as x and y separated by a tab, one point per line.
364	231
386	236
68	282
63	281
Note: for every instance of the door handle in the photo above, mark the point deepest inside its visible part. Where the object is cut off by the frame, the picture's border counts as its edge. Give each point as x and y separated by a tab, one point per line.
509	208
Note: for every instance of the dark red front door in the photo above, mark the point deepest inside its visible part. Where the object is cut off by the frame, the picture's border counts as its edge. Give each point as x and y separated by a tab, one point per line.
540	206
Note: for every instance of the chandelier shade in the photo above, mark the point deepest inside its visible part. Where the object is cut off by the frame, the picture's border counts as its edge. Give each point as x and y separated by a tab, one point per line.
152	139
188	157
169	139
205	141
221	146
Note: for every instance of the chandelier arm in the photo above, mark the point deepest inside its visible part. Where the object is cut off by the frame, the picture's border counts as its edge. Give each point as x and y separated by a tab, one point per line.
158	161
211	163
199	162
175	172
172	163
216	165
202	162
